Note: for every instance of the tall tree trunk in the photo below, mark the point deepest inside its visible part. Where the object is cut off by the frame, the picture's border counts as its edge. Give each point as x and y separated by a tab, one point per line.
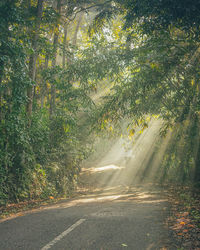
1	91
75	36
3	50
33	57
74	41
44	85
55	47
64	46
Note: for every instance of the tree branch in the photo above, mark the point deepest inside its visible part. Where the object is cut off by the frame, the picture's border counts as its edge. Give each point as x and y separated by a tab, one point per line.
80	9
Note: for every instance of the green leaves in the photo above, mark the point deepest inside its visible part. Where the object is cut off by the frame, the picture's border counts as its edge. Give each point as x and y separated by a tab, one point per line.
143	62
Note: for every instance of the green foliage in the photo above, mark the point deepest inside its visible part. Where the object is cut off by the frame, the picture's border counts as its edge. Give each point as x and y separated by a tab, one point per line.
160	76
180	160
160	15
17	158
147	66
29	146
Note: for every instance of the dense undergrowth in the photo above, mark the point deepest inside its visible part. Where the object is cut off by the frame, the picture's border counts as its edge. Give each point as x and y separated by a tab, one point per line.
40	160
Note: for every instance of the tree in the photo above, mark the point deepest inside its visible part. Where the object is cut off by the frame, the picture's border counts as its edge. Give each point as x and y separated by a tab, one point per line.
162	75
39	156
33	57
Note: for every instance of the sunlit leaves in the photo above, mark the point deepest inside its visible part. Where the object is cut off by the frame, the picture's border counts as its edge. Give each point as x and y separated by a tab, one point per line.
131	132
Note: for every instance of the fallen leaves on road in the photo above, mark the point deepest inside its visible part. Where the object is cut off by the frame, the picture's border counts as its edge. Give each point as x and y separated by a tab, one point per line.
184	221
18	209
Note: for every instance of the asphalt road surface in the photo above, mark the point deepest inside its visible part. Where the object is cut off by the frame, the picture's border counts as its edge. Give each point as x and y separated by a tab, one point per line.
116	219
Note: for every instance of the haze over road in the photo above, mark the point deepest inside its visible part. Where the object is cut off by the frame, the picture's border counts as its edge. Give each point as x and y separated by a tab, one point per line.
116	215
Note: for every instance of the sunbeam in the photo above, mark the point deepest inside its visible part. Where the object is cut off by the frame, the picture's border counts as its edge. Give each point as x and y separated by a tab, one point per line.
125	165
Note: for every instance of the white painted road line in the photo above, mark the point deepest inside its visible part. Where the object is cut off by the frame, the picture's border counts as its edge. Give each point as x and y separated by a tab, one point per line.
59	237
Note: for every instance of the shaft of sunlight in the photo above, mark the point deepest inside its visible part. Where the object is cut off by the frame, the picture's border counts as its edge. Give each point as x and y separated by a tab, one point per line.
125	165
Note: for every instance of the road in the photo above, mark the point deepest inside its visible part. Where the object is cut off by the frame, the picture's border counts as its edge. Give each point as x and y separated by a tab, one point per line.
114	214
117	219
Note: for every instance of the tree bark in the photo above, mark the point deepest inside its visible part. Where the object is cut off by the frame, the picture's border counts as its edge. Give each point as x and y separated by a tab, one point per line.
74	41
44	85
54	62
64	46
33	57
